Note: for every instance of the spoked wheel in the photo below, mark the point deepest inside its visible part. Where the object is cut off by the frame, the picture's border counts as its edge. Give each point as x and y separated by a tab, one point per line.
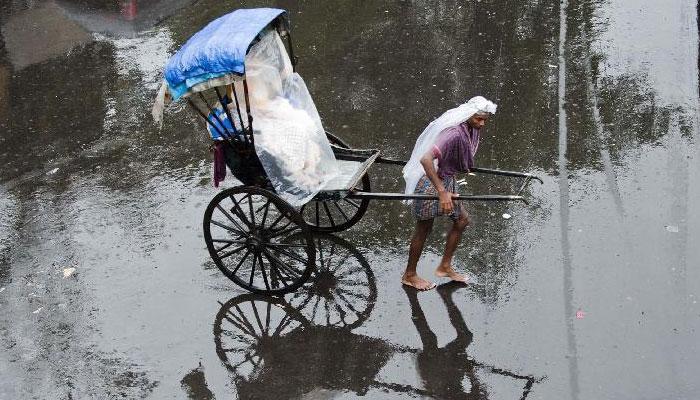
335	215
258	240
342	290
248	323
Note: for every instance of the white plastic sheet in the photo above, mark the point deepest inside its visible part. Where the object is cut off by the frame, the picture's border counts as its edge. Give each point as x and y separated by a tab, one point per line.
289	138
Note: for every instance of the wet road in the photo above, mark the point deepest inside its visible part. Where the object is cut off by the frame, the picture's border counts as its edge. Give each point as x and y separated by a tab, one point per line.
591	292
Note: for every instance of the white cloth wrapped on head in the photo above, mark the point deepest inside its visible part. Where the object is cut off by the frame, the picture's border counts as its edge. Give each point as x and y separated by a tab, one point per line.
413	170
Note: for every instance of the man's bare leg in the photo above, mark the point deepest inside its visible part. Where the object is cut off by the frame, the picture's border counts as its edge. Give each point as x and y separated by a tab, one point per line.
410	277
445	269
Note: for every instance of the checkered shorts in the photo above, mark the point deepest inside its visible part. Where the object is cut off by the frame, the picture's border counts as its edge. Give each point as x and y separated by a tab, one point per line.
429	209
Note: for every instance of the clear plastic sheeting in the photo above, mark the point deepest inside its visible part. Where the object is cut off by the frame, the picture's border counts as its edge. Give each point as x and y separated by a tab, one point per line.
289	138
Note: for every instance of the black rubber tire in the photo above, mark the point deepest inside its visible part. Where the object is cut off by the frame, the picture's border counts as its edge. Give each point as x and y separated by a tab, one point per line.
238	227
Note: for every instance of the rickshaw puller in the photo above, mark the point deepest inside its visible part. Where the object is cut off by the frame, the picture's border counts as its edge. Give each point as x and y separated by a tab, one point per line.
454	149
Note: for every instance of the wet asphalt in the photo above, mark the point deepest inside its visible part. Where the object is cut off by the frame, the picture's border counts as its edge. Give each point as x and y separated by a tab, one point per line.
589	292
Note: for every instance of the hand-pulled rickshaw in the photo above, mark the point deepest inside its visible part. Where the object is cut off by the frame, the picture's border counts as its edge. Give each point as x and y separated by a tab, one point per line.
239	75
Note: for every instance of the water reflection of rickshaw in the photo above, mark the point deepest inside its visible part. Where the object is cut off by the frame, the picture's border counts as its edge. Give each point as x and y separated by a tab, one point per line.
276	350
296	178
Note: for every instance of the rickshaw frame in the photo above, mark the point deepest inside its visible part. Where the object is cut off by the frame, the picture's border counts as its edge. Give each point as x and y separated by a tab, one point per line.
349	202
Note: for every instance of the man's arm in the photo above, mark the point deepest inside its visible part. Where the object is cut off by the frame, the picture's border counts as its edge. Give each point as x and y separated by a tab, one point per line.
445	196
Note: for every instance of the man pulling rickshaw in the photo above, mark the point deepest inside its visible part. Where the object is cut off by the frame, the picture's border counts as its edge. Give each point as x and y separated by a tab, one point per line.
446	147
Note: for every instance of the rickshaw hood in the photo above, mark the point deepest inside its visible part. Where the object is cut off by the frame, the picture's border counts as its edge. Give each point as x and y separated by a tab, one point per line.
218	49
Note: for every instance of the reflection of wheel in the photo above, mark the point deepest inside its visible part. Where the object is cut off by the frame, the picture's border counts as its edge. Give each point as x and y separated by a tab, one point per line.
335	215
342	291
247	322
258	240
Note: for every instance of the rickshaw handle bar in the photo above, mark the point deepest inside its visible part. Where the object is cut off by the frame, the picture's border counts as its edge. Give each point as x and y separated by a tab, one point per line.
402	196
506	173
384	160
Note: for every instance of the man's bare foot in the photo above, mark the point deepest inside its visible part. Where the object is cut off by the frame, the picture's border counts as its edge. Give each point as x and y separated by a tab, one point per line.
449	272
417	282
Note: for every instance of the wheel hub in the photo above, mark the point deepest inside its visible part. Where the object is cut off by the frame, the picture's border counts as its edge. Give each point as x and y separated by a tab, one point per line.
256	243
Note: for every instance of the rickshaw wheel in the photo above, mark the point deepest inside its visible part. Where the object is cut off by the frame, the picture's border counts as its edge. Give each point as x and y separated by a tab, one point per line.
258	240
336	215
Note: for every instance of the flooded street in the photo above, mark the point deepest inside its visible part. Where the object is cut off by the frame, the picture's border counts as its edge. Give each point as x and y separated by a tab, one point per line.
589	292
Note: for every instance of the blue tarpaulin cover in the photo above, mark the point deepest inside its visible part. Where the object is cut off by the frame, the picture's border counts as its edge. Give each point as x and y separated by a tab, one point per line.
218	49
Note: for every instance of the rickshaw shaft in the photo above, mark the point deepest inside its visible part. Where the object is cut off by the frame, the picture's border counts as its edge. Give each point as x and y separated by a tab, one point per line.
402	196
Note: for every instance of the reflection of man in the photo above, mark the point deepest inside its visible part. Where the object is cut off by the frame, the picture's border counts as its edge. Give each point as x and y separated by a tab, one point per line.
450	143
443	369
